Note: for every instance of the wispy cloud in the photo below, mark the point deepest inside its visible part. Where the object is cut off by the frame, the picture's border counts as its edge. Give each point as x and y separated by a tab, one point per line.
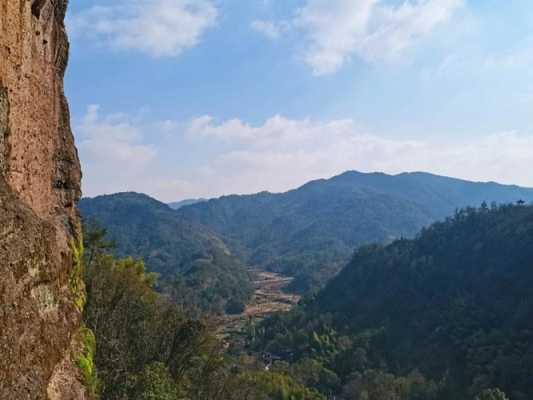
114	137
276	130
112	149
160	28
373	30
119	153
127	152
270	29
282	153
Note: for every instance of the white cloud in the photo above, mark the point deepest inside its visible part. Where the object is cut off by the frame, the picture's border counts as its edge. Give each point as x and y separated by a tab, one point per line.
519	55
336	30
112	150
282	154
114	137
275	130
122	152
160	28
269	29
203	158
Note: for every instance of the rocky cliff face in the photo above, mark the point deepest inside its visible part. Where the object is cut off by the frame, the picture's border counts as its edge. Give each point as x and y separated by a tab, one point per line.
40	293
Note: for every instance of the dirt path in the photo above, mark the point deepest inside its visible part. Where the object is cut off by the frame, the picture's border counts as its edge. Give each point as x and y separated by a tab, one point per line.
268	298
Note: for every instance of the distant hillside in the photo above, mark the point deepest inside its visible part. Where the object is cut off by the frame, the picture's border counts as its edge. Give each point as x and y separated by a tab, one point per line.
312	231
172	246
454	305
189	202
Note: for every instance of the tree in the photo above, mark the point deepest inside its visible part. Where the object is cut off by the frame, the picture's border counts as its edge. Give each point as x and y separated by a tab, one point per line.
156	383
95	241
492	394
147	349
235	307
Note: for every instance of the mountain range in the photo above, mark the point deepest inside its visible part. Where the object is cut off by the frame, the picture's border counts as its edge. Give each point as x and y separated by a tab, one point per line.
425	280
310	232
193	261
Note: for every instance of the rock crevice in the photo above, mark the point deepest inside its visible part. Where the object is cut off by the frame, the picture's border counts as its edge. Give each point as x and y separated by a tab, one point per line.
4	125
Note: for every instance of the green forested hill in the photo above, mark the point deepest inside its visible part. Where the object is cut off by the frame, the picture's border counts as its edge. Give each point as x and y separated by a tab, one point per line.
451	310
137	345
190	257
312	231
309	233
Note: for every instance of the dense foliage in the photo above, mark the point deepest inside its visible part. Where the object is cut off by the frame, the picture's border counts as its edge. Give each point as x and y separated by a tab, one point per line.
196	266
312	232
146	349
448	315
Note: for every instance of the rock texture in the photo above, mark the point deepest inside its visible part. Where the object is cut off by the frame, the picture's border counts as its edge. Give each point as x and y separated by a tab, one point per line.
39	224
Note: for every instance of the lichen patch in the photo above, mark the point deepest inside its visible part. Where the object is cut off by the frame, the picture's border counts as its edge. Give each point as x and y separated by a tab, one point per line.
45	299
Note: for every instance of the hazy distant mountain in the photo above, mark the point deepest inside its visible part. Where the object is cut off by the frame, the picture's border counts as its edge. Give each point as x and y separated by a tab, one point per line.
172	246
311	232
183	203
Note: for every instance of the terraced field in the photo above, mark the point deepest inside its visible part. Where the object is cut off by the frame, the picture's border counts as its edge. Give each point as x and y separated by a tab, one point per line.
268	298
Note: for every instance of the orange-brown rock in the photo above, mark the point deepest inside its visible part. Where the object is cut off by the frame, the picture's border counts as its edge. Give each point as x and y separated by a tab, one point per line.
39	224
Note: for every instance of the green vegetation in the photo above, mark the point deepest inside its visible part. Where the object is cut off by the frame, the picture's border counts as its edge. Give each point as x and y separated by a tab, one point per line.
311	232
147	349
84	358
235	307
76	284
492	394
156	383
266	385
447	315
197	269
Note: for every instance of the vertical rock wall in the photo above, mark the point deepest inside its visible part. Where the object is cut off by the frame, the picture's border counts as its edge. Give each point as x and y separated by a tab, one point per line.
40	293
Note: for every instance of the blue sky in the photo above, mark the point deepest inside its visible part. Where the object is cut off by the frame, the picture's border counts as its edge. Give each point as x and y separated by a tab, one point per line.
199	98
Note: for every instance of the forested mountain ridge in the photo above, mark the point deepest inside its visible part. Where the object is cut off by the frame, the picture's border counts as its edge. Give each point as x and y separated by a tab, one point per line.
311	232
193	261
450	309
446	315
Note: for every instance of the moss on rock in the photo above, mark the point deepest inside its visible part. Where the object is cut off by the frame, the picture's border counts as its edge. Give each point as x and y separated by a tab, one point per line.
77	286
84	358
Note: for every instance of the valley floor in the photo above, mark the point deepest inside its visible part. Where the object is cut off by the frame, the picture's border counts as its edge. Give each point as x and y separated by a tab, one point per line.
268	298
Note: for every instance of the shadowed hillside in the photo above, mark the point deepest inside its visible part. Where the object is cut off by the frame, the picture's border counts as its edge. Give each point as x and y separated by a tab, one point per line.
312	231
195	264
453	305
